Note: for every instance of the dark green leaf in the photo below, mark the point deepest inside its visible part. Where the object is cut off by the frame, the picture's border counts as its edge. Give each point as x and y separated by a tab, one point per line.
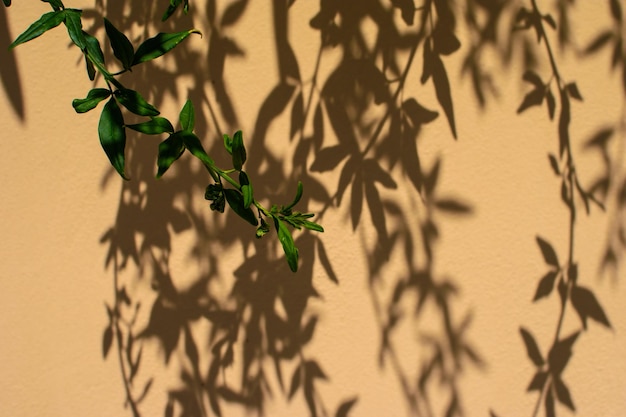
239	151
345	407
112	135
154	126
246	189
313	226
46	22
549	255
94	97
297	198
107	341
7	3
75	27
531	347
172	8
91	70
193	144
286	240
187	116
160	45
235	201
56	4
135	103
545	285
228	143
122	48
169	151
562	394
586	305
93	49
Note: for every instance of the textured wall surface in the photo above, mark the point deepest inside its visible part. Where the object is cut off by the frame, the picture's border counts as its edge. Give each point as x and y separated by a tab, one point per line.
175	259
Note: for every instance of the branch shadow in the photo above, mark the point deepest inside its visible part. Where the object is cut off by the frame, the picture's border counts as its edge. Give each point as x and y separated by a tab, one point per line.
230	330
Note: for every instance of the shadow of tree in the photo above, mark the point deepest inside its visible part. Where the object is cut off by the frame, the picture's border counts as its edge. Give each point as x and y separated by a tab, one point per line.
262	321
231	330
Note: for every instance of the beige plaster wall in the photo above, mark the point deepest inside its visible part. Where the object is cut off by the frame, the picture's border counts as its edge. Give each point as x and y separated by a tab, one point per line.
60	197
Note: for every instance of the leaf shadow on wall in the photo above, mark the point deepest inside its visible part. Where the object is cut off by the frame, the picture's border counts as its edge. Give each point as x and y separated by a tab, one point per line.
235	342
9	73
231	341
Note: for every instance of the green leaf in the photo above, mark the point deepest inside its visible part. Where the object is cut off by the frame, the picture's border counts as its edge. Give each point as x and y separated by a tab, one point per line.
91	70
296	198
56	4
169	151
154	126
160	45
7	3
286	240
122	48
172	8
187	116
239	151
135	103
246	189
75	27
228	144
112	135
93	49
313	226
235	201
95	96
192	143
46	22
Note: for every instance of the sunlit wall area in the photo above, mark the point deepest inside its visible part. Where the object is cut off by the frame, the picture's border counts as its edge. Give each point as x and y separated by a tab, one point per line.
464	159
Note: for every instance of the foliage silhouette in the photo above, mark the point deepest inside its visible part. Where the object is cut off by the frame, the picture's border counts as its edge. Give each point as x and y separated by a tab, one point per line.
376	124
